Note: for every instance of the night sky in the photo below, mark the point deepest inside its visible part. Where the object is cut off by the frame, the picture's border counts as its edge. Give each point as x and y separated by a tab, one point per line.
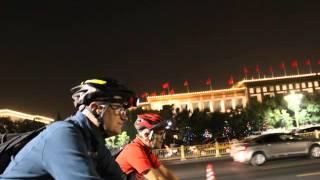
48	47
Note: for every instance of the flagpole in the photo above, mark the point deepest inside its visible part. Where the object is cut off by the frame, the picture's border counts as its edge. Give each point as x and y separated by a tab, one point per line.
310	68
188	89
285	72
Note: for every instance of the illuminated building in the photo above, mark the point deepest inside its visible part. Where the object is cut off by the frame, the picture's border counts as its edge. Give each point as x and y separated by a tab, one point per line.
238	95
16	116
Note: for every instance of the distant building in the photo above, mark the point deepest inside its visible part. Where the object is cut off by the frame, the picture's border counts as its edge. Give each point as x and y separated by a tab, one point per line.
16	116
239	95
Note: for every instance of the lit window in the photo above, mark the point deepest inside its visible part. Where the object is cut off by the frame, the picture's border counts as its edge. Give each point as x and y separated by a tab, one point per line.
258	90
184	106
309	84
228	104
251	90
239	102
206	105
303	85
277	87
284	87
217	106
297	85
290	86
195	106
316	83
264	89
271	88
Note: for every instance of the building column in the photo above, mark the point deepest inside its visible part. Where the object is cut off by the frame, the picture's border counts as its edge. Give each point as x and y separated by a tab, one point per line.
222	105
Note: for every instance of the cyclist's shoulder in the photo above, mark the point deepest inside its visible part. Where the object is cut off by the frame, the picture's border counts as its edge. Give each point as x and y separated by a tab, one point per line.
62	127
133	148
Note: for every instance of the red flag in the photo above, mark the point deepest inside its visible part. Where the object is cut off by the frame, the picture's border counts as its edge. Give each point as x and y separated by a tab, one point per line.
171	91
165	85
162	93
245	70
307	62
143	95
270	69
258	68
186	83
294	63
208	82
282	66
318	62
230	81
153	94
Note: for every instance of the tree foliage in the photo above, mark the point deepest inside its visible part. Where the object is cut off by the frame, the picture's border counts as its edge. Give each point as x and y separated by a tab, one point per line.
8	125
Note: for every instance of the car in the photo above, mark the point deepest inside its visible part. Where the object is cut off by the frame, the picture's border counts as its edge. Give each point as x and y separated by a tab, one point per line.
307	129
256	150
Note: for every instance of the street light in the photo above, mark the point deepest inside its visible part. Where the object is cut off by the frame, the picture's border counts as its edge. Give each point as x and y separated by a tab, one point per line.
294	101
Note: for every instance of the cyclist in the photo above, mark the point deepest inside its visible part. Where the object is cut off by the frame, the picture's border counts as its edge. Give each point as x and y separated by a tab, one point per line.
75	148
136	159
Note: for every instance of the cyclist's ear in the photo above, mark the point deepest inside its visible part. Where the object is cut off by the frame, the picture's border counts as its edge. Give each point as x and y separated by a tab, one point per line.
94	107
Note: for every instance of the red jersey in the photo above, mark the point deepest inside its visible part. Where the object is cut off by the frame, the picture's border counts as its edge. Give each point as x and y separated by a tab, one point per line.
137	157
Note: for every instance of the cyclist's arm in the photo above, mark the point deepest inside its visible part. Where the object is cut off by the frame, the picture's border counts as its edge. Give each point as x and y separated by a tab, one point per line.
154	174
65	155
167	173
160	173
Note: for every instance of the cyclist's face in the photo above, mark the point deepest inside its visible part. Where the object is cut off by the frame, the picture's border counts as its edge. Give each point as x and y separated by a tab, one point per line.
114	118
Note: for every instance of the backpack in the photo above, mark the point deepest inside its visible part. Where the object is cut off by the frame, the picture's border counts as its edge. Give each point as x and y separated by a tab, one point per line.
11	146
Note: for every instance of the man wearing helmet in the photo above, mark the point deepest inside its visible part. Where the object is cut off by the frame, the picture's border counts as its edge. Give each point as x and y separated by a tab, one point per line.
75	148
136	159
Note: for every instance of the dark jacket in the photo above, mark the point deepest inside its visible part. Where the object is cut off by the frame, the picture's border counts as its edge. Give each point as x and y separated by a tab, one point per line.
72	150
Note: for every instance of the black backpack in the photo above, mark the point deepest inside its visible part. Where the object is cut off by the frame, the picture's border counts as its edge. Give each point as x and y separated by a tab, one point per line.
12	144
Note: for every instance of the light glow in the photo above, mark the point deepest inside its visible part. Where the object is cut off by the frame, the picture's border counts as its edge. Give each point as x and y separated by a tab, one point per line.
20	115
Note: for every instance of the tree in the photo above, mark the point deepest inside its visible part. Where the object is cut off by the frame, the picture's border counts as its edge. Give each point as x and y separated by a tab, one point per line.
8	125
122	139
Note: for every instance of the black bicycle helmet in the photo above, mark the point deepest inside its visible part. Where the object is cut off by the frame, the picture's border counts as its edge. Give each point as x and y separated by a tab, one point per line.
103	90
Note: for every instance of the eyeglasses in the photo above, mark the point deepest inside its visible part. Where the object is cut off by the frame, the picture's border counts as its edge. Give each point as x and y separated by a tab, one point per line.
119	110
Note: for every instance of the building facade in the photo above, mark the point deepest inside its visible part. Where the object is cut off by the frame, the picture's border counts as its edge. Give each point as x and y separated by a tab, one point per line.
238	95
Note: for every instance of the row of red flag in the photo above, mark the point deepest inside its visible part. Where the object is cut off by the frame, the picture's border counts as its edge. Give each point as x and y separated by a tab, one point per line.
282	66
294	64
166	87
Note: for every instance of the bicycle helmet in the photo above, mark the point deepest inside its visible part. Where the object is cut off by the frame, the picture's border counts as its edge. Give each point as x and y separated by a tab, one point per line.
104	90
149	121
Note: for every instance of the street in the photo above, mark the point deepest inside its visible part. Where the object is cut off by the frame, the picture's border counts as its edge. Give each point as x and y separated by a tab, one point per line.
283	169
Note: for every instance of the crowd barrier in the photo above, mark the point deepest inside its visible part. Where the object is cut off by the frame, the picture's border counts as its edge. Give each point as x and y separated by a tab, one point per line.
196	151
206	150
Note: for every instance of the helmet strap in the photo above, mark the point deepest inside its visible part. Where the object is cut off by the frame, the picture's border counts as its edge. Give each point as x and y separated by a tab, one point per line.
99	117
150	137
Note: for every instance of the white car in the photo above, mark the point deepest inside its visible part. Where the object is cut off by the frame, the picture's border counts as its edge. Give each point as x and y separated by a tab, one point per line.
257	150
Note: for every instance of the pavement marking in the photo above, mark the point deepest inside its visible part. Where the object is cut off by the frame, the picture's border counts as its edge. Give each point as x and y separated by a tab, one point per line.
287	165
308	174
